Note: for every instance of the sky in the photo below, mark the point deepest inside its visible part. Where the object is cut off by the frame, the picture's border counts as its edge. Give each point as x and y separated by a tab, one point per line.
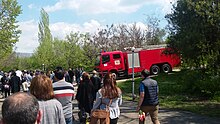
68	16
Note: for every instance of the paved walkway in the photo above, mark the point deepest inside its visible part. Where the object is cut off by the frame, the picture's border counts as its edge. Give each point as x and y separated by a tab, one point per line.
130	116
166	116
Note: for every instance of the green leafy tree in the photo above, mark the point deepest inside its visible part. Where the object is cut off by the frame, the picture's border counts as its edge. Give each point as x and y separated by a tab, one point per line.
90	52
9	32
45	52
194	31
74	45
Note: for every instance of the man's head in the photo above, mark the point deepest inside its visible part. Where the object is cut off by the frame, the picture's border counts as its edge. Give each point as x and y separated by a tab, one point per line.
20	108
59	73
145	73
94	72
13	73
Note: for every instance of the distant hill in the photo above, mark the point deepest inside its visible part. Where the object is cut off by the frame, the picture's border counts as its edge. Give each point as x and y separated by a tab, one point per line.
23	55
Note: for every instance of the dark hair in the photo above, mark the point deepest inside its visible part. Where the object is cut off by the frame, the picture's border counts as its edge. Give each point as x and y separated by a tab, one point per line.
41	87
13	73
145	73
59	73
20	108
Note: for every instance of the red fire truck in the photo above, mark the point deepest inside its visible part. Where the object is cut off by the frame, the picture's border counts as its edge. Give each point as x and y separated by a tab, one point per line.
152	59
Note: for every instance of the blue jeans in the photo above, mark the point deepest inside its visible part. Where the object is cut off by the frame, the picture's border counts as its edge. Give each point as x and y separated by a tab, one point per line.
69	120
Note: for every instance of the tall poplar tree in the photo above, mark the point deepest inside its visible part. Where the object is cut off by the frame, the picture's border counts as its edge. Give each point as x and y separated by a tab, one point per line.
45	50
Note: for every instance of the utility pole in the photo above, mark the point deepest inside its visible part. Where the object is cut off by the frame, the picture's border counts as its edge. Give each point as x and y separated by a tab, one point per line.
133	95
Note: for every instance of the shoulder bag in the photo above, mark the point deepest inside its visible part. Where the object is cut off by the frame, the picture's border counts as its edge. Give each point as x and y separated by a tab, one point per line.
101	116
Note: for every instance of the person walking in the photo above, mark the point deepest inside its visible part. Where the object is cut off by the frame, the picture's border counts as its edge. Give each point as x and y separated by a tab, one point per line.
148	100
109	93
64	93
5	85
85	94
21	108
77	75
15	83
71	74
41	87
96	81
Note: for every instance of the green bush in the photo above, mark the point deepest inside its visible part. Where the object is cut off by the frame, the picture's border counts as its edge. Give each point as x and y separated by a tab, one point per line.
201	83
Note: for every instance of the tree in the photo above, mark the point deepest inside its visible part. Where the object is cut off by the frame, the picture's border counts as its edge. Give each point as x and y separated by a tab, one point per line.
154	34
9	32
74	45
45	52
90	52
117	37
130	35
194	31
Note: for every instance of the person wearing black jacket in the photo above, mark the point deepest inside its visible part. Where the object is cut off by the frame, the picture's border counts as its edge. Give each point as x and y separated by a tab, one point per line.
15	83
5	85
96	81
85	93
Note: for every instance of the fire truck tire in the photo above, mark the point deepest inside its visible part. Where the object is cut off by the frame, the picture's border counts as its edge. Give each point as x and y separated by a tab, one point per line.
155	69
166	68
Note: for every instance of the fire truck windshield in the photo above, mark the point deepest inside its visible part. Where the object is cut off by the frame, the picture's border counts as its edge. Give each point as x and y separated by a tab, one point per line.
105	58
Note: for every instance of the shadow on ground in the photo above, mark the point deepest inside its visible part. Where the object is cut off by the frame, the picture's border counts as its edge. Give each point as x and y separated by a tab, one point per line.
166	116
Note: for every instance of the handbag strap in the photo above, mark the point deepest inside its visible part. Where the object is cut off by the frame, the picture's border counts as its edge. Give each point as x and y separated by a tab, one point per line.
110	102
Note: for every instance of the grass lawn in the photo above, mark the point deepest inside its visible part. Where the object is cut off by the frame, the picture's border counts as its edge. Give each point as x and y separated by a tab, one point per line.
173	96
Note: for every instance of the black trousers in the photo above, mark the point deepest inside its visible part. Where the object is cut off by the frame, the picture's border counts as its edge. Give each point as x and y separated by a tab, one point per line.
7	93
114	121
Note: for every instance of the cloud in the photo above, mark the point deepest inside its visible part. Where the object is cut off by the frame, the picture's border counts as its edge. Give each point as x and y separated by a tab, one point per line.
31	6
61	5
61	29
106	6
28	40
91	26
167	5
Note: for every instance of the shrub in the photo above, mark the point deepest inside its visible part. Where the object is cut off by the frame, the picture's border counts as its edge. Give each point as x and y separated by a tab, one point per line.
201	82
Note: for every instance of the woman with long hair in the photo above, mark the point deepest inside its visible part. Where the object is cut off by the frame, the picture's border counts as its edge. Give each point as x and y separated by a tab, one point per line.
41	87
110	95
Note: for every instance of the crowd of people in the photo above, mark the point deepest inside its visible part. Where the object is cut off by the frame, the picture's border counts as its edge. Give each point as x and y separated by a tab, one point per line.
54	93
16	80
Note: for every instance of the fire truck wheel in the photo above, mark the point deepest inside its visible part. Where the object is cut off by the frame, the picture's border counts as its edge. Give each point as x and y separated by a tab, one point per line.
155	69
166	68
